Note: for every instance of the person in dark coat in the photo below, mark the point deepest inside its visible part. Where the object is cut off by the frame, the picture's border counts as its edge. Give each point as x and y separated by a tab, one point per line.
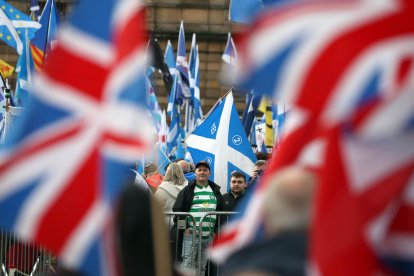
142	235
287	210
198	198
237	191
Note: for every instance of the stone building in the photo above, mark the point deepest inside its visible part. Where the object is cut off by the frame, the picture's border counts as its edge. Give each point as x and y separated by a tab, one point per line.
208	19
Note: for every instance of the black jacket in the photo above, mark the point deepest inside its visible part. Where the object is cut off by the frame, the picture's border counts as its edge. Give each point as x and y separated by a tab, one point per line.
185	197
231	202
283	254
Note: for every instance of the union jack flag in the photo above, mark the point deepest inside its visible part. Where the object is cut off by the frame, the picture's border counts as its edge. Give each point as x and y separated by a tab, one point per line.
81	131
335	61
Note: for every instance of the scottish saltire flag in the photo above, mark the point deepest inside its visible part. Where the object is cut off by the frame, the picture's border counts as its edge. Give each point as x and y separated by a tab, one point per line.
354	78
79	136
230	53
158	156
249	112
41	44
198	112
220	141
172	101
189	104
193	110
170	58
182	66
175	134
13	23
24	69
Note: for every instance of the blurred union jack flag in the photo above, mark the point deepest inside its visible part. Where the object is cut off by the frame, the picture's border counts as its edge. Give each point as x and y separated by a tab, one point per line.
82	130
345	65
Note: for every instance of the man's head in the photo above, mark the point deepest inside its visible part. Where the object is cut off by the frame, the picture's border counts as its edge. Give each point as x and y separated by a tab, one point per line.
184	165
202	172
287	202
237	183
259	165
149	169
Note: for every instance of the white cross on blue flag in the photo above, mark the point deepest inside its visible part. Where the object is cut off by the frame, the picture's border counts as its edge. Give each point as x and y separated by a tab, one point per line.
220	140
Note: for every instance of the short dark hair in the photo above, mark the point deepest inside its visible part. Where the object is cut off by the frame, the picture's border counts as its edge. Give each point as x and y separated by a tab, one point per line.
260	163
262	155
238	174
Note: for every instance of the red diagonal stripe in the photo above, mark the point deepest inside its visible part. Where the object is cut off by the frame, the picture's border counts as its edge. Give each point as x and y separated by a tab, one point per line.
128	141
132	35
32	148
403	221
71	206
76	72
335	59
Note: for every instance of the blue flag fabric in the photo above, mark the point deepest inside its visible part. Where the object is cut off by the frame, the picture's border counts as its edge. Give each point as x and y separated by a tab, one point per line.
42	42
220	140
249	112
153	105
25	67
170	58
13	24
244	11
182	66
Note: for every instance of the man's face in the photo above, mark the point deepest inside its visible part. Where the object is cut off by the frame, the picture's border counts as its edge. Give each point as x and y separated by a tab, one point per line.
202	174
237	185
258	168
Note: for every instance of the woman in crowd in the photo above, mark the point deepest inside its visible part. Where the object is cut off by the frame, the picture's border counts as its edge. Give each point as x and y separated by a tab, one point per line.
174	181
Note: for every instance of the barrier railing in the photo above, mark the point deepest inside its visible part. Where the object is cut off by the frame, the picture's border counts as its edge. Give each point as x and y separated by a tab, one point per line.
23	258
176	235
196	266
221	219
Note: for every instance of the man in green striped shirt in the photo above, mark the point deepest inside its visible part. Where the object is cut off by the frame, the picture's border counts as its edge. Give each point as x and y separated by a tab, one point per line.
198	198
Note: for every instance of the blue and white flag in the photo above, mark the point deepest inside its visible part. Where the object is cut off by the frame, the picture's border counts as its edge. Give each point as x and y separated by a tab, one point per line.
230	52
182	65
194	112
170	58
25	67
220	140
13	24
153	103
250	111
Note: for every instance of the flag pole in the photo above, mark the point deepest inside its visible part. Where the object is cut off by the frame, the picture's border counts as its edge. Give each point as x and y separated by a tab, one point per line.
195	127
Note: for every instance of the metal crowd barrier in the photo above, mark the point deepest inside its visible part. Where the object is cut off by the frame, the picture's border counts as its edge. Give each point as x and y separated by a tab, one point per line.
221	219
19	258
177	235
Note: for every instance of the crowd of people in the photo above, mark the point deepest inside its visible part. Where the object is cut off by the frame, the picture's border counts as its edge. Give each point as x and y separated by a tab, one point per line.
185	189
182	197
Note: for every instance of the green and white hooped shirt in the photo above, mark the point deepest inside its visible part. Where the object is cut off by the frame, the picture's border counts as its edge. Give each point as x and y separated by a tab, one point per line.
204	201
